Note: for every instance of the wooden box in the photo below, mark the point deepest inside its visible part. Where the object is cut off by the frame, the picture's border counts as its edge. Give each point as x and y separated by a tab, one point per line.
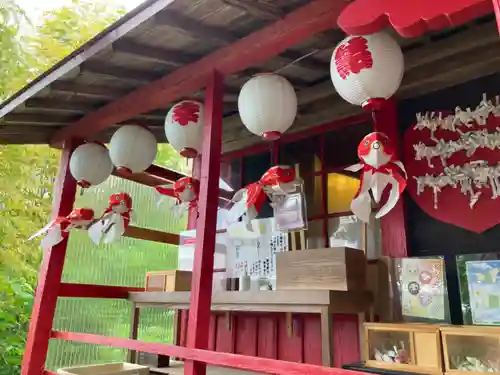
471	349
411	347
168	281
339	268
153	360
106	369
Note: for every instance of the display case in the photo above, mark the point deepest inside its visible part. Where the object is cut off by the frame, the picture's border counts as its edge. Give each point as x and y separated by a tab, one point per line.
478	276
471	349
411	347
421	289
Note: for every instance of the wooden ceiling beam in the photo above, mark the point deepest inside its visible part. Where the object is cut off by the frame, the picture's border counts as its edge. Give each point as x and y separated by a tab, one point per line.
252	50
25	129
97	91
125	74
174	58
46	119
266	11
223	36
51	105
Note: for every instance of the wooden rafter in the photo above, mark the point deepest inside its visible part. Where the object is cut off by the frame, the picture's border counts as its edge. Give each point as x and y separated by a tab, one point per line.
224	37
92	91
252	50
174	58
125	74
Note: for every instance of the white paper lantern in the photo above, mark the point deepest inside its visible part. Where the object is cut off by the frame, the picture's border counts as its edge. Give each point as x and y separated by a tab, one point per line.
184	127
90	164
367	70
133	148
268	105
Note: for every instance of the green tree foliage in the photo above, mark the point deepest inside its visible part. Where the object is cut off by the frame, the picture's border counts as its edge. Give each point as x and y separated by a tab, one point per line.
12	56
27	172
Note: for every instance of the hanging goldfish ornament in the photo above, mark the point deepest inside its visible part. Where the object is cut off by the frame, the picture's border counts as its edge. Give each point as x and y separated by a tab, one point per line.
379	169
185	190
277	181
58	229
114	221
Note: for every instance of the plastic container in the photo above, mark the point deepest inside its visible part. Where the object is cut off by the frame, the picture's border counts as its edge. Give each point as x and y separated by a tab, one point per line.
106	369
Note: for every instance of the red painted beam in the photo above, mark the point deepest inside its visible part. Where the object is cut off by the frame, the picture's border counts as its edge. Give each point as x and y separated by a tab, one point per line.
51	270
294	137
256	48
95	291
240	362
393	225
206	225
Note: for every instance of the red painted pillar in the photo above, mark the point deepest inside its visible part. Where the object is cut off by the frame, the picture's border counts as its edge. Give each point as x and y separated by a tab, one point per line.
193	211
50	274
496	7
393	225
201	286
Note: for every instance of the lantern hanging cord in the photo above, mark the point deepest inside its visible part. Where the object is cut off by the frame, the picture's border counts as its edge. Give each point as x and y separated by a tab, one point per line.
297	60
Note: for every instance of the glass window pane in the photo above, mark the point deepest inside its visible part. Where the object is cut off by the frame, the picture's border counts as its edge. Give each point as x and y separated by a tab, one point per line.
340	191
314	235
305	152
254	166
313	191
341	145
230	175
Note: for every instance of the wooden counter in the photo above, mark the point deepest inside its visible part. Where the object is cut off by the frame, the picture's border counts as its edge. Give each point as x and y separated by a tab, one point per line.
323	302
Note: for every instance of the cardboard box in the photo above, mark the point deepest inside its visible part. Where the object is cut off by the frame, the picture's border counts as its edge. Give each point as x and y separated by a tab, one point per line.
168	281
338	268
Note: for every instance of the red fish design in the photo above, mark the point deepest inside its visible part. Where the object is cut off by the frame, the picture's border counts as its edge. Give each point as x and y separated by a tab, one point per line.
352	56
185	190
114	220
278	180
186	112
379	168
410	19
58	229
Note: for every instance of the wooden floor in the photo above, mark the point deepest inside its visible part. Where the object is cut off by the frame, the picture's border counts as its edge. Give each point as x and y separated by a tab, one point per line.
177	368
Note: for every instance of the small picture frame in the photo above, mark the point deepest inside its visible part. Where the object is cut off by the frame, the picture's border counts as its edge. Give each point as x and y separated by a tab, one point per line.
290	212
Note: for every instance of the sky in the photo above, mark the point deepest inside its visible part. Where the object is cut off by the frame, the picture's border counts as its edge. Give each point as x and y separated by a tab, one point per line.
35	8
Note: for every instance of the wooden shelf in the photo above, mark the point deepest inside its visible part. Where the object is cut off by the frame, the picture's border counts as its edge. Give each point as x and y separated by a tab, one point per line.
322	302
296	301
177	368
